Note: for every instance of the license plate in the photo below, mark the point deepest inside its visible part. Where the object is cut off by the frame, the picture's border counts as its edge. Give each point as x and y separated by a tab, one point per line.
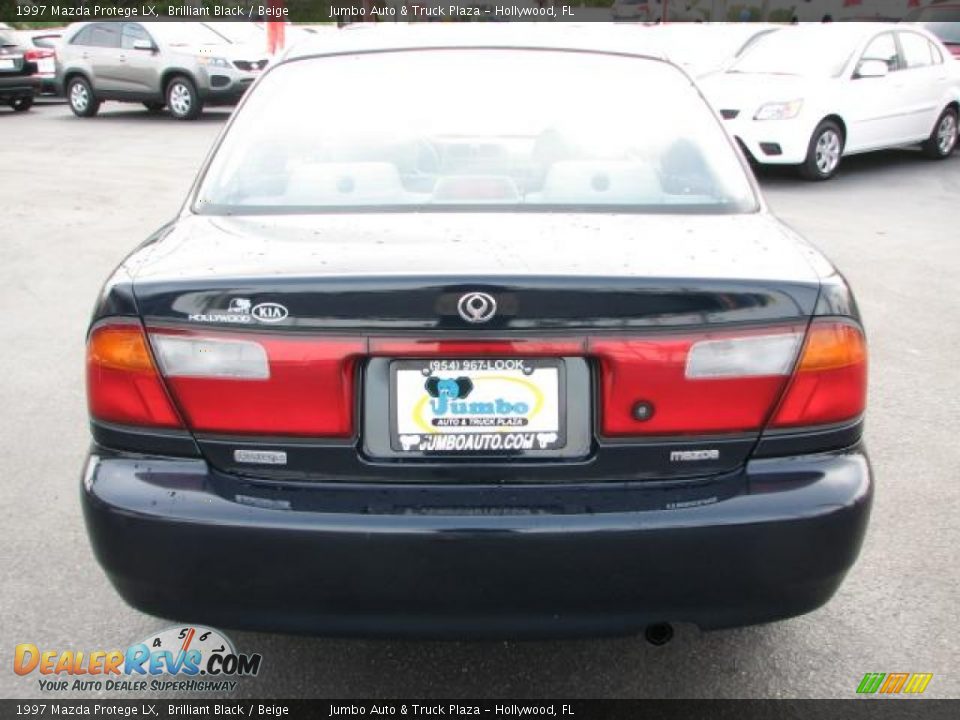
46	66
6	64
489	406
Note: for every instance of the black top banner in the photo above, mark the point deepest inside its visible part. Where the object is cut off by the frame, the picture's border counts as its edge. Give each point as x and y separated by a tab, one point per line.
511	710
63	12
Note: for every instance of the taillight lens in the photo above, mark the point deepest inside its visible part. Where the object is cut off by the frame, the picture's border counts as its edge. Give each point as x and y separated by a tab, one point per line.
830	382
184	356
38	54
718	382
123	385
260	384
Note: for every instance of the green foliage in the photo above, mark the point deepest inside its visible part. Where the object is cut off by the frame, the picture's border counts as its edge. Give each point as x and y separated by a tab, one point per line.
737	13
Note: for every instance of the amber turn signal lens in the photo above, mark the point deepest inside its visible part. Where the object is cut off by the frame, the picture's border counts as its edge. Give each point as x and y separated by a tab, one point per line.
121	347
833	345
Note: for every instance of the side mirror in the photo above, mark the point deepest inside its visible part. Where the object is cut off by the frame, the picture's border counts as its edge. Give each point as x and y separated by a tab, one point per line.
143	45
872	69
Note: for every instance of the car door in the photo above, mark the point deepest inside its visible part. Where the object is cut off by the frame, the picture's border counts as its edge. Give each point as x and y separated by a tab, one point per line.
102	55
139	68
873	105
925	84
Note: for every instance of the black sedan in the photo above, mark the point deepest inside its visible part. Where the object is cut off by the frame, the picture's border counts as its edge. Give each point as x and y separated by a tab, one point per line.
17	82
503	342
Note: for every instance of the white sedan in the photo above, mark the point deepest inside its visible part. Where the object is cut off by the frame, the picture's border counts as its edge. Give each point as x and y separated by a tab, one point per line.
809	95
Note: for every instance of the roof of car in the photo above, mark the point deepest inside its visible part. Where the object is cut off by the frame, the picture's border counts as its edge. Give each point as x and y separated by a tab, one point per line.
632	39
849	30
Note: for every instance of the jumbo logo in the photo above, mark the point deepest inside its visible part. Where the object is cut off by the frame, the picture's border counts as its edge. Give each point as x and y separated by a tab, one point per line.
269	312
448	397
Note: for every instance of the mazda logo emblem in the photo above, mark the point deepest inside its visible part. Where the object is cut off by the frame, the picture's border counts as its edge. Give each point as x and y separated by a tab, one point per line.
477	307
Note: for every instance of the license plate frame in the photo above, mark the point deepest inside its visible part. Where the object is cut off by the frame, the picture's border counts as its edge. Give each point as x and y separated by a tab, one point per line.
544	432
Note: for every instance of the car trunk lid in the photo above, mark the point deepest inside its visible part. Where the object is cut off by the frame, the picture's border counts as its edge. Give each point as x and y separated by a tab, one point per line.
309	301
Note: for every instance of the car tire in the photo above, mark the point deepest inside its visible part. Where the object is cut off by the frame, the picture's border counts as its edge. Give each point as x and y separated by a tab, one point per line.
824	152
183	100
21	104
80	96
154	107
943	139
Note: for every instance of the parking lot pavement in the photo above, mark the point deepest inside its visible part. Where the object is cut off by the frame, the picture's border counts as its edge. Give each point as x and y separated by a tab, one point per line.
76	195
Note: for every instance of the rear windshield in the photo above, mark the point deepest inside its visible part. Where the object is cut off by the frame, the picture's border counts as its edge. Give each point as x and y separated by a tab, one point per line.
8	38
478	129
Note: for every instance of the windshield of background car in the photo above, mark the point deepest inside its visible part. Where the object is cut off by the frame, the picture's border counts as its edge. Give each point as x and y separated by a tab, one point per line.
184	33
414	130
948	32
797	51
239	32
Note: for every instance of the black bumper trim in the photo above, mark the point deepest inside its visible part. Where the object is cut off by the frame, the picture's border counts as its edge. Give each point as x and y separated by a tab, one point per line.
776	443
149	441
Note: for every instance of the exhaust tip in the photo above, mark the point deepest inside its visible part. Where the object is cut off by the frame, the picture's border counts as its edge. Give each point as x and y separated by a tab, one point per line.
659	634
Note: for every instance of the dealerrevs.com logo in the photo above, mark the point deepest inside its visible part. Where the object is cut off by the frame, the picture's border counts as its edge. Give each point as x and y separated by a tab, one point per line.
182	658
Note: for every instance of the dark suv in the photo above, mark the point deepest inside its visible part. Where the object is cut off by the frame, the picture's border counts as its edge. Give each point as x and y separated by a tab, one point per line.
17	83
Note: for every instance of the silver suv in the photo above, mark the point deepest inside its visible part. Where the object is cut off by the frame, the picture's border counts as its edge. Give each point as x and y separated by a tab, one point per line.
179	65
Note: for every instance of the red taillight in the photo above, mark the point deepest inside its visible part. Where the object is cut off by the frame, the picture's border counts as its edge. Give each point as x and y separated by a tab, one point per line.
661	384
38	54
830	382
717	382
123	385
261	384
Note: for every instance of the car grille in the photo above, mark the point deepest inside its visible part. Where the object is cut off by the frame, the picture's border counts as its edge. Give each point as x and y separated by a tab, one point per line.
250	65
729	114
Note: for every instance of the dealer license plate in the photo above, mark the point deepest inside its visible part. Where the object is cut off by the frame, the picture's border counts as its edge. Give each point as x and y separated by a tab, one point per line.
488	406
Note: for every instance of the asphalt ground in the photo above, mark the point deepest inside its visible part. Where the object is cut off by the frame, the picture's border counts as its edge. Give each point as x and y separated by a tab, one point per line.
76	195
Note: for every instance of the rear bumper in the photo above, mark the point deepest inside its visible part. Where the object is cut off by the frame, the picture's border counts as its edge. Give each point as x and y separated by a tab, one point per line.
20	86
182	542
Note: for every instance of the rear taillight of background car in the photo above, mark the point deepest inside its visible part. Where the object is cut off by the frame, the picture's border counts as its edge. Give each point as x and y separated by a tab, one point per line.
35	55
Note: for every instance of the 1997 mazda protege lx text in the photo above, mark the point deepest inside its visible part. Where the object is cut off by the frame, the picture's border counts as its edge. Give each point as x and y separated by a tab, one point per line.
491	336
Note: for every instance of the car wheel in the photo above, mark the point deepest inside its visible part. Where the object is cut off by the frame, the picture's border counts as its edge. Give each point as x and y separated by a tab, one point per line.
154	107
824	152
183	99
22	104
943	140
81	98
